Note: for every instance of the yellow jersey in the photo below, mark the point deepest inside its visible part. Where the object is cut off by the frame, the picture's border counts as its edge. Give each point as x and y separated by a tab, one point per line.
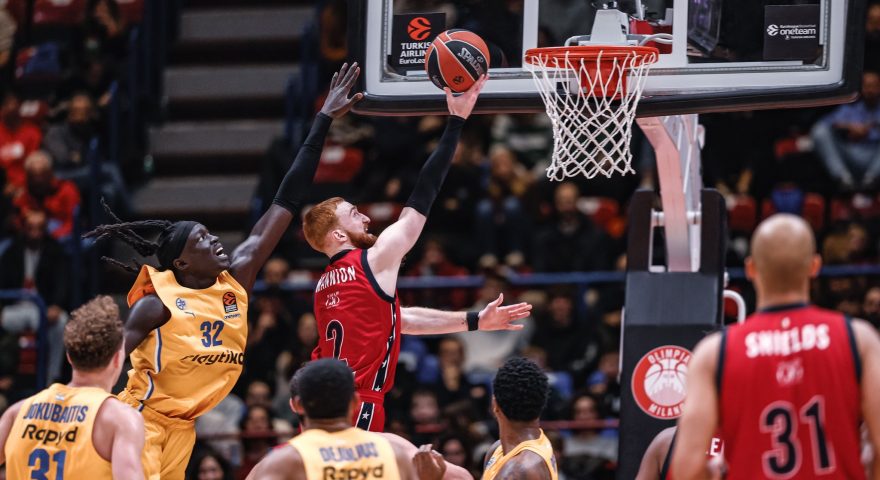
349	453
188	365
540	446
51	437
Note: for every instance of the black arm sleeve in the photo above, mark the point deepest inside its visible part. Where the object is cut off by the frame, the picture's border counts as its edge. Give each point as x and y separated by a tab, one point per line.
299	177
435	169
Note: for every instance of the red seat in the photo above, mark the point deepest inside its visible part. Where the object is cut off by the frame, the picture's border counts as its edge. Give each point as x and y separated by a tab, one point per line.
604	212
767	208
132	11
35	111
742	213
16	8
841	210
339	164
814	211
59	12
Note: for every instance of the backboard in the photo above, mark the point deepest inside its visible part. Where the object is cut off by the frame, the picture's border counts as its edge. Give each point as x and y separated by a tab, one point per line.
724	54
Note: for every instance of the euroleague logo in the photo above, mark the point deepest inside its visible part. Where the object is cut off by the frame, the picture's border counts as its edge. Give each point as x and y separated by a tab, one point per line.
659	381
772	30
419	28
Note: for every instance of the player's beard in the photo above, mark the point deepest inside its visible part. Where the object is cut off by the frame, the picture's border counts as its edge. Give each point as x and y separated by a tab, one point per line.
361	240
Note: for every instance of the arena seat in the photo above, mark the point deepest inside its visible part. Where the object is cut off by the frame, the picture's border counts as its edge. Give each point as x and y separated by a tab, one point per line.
742	213
339	164
59	12
35	111
814	211
132	11
16	8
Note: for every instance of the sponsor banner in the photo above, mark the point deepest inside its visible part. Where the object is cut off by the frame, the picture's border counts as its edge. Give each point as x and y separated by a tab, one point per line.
411	35
791	32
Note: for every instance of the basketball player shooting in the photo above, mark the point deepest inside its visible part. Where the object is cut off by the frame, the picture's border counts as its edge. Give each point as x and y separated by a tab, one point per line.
78	430
817	375
358	312
187	329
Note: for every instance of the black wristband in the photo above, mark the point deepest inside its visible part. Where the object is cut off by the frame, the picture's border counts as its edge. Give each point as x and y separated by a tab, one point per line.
473	321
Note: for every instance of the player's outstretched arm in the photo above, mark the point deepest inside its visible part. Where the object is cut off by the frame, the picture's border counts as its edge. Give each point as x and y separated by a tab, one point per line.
868	345
428	321
699	418
655	455
6	422
391	246
282	463
126	427
249	257
527	465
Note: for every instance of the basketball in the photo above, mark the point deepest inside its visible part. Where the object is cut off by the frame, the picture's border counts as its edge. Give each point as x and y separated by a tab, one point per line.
456	59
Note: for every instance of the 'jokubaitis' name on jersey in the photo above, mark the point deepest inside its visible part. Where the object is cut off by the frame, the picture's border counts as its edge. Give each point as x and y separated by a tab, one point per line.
54	413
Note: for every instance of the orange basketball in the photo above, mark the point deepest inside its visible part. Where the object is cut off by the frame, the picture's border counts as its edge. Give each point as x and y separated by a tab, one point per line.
456	59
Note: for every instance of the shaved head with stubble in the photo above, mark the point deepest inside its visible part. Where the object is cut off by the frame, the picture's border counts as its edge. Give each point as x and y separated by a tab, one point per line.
783	260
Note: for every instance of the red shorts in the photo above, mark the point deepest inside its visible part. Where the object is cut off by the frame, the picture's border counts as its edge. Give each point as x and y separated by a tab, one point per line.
370	415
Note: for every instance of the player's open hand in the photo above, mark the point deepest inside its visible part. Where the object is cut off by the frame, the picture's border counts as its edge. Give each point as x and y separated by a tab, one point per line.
496	317
463	104
338	102
429	464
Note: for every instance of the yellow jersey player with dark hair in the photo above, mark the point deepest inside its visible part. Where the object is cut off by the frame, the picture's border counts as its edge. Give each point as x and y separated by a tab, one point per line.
330	446
78	430
520	394
187	329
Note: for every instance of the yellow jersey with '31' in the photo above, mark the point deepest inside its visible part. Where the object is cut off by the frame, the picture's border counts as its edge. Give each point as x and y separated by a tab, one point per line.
347	454
51	437
188	365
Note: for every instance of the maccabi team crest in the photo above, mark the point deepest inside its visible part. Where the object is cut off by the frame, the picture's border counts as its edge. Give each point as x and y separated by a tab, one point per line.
659	381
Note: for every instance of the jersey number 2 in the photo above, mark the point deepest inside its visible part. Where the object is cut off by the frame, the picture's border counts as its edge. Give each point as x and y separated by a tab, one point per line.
335	333
779	419
39	461
211	332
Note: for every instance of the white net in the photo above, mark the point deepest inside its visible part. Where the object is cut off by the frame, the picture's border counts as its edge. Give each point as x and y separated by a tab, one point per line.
591	101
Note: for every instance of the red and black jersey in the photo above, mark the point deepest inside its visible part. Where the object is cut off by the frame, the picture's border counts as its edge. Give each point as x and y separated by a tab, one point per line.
358	323
789	394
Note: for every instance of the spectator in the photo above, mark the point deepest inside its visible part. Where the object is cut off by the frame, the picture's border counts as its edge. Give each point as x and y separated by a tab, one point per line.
257	437
105	31
425	416
208	465
435	263
18	139
67	143
35	262
259	394
529	136
587	448
58	198
571	242
500	215
872	38
563	335
453	384
306	338
848	139
7	38
224	419
456	451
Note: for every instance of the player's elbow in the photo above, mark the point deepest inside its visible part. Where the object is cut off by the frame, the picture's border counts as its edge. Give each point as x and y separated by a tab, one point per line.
688	466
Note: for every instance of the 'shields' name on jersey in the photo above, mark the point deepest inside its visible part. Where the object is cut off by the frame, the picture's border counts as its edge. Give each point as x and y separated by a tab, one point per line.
768	343
335	277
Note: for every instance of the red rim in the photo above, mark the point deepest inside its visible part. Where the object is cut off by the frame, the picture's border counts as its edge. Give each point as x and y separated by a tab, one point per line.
592	52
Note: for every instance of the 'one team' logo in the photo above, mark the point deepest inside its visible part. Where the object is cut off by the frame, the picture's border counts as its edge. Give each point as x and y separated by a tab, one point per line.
230	304
659	381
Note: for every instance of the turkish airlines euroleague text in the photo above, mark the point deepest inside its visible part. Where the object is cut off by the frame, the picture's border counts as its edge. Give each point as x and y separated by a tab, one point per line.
789	393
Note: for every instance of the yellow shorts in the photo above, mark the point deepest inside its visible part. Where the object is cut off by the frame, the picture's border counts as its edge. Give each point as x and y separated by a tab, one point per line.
168	444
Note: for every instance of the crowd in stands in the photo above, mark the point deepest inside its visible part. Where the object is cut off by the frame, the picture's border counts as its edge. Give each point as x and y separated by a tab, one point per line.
497	215
57	62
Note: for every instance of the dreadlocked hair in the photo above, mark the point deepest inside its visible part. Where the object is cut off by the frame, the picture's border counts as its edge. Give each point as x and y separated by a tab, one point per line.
125	231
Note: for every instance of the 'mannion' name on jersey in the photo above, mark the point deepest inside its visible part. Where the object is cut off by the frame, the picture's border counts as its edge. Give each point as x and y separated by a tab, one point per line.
350	454
335	277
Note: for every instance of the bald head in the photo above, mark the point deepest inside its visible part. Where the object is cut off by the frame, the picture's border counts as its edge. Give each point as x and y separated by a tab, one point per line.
783	257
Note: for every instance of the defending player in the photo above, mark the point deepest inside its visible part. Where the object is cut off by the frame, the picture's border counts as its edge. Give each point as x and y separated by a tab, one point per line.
358	313
78	430
188	324
330	447
523	452
790	386
658	457
423	457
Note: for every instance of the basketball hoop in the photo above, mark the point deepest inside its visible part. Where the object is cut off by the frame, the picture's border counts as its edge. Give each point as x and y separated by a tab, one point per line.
593	111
